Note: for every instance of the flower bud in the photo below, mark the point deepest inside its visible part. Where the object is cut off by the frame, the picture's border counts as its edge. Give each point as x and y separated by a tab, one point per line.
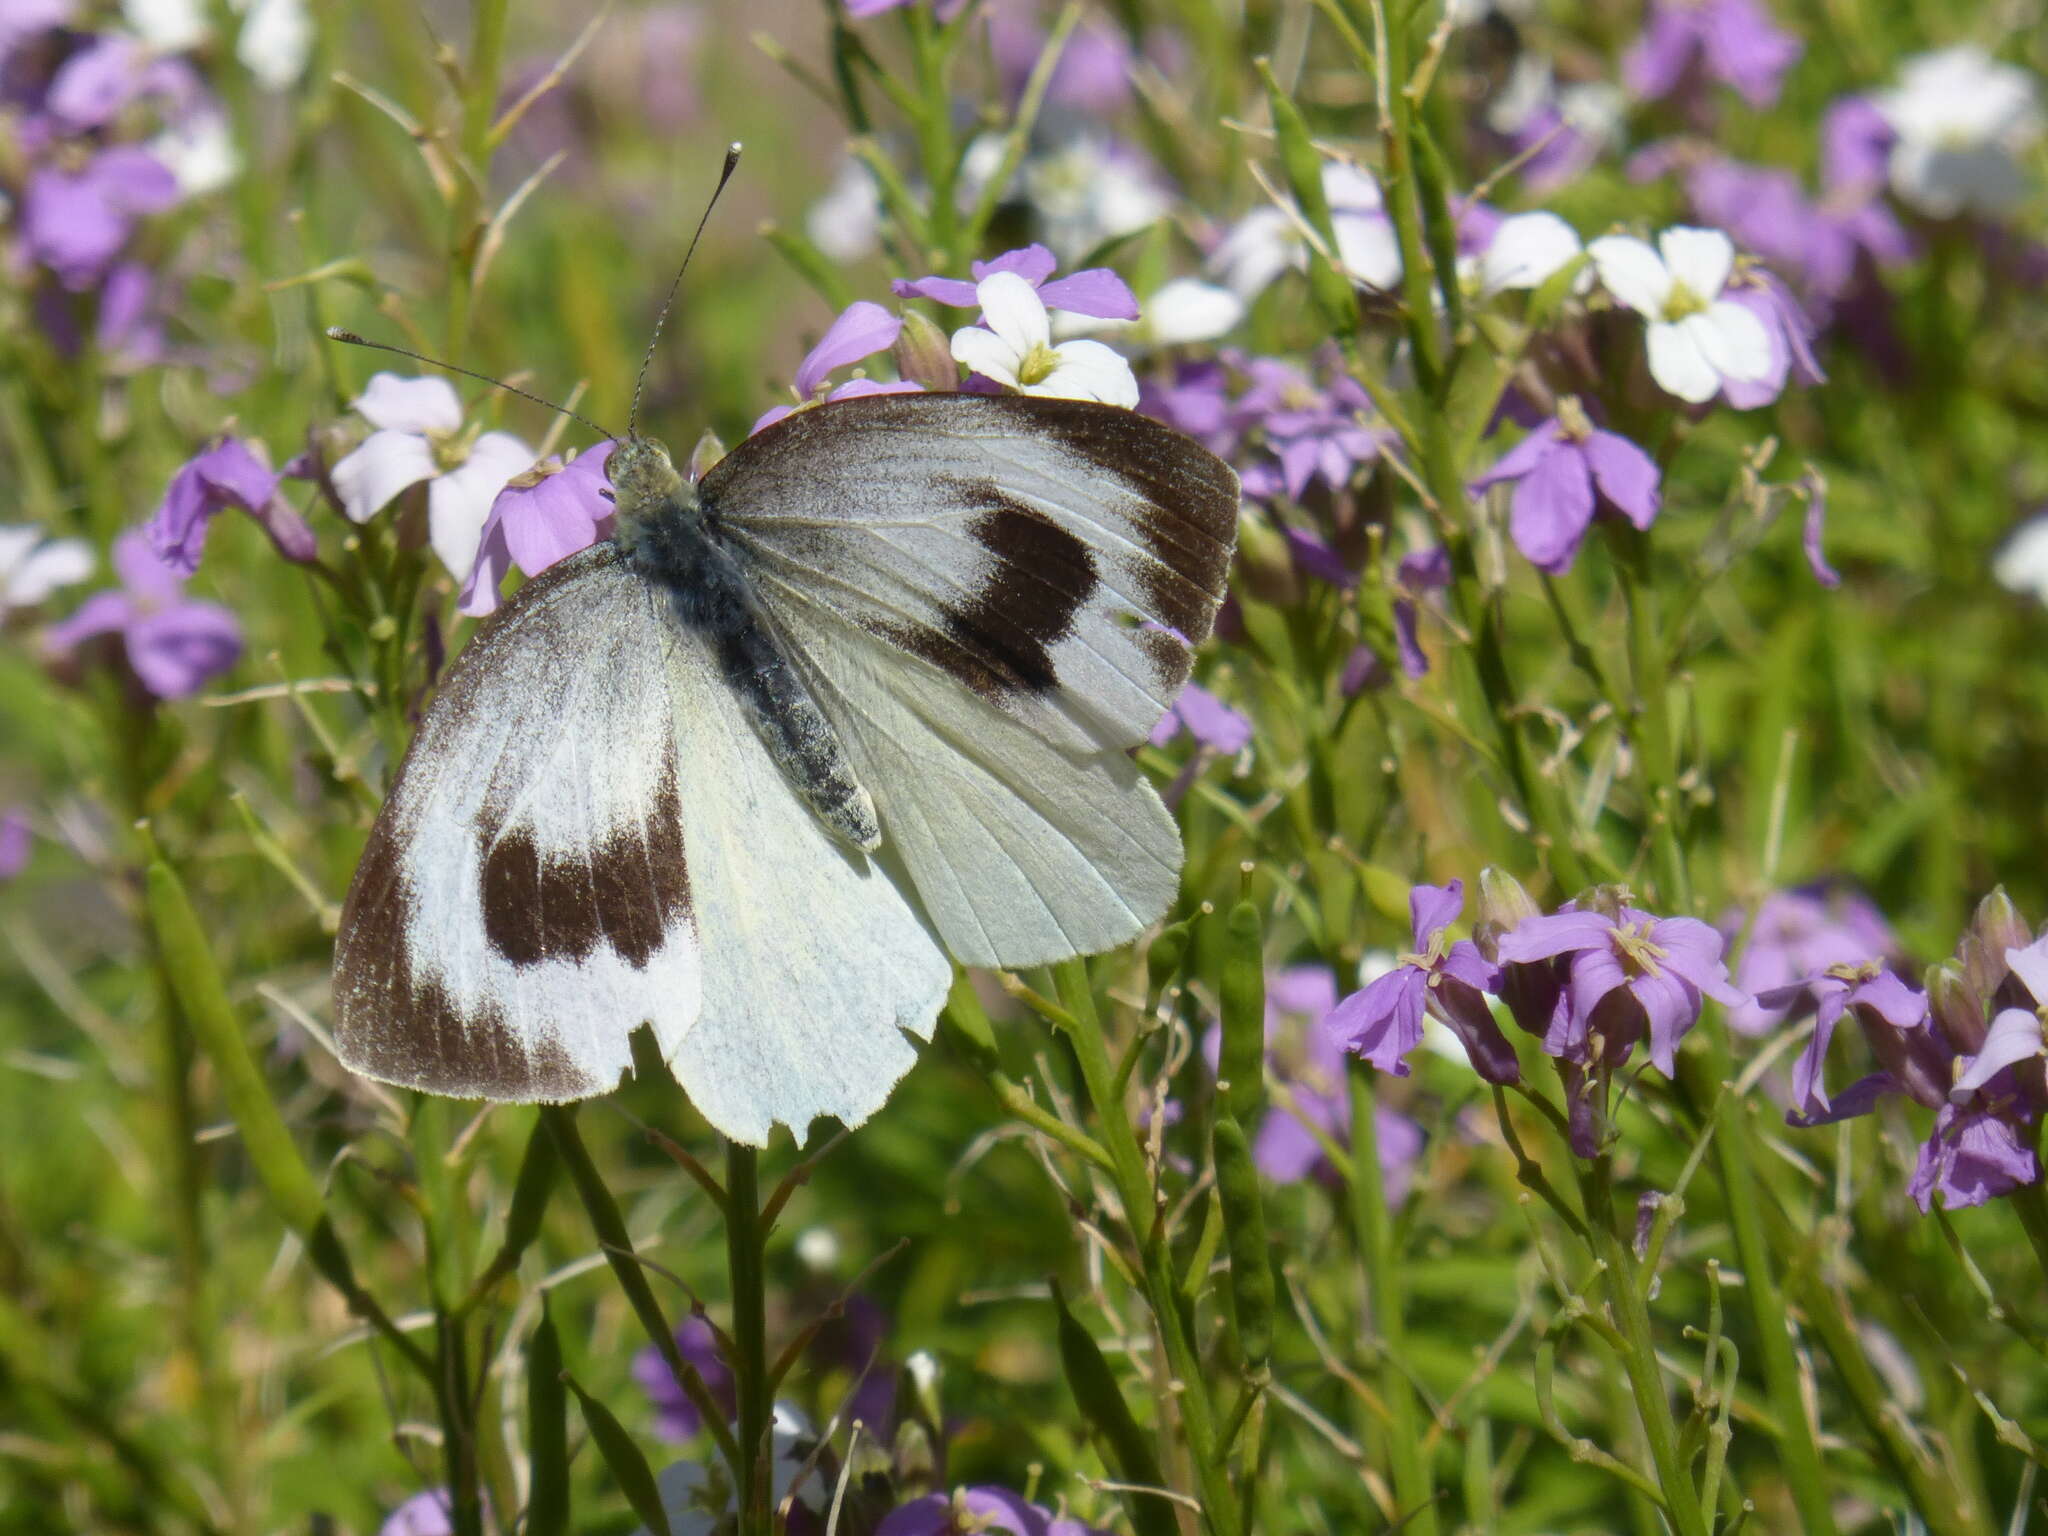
1264	561
924	355
1999	925
1957	1006
1503	903
704	456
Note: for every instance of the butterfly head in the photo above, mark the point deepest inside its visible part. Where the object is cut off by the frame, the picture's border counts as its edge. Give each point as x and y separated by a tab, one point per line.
643	476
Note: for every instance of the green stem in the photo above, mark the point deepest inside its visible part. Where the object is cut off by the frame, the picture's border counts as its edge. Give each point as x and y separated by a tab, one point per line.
1655	740
2030	1203
1140	1202
744	1240
1414	1487
480	82
1639	1356
1765	1298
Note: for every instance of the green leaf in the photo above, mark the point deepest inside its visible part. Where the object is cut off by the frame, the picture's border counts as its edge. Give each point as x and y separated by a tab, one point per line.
628	1467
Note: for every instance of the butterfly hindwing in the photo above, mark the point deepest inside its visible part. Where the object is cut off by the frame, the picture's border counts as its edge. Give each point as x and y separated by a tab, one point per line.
587	835
994	598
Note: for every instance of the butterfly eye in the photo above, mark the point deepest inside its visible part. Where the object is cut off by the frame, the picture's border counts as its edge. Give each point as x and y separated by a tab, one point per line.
608	496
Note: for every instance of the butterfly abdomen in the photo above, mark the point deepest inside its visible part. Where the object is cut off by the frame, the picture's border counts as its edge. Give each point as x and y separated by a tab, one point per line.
672	546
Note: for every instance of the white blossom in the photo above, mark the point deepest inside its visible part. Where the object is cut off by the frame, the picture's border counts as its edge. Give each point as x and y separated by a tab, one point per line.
2021	565
1182	312
1696	338
1013	346
31	567
1963	121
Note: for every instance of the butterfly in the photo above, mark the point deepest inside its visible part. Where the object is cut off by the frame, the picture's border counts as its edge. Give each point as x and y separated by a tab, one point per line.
756	771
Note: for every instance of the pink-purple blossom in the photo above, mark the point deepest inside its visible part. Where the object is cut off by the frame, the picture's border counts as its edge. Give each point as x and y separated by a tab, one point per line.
542	516
75	222
1097	291
675	1417
1205	717
1314	434
1382	1022
174	644
1796	934
978	1509
1564	473
231	473
1789	331
860	331
1732	41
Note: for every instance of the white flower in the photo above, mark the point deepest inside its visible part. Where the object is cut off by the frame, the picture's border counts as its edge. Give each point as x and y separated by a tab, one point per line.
699	1501
168	26
31	569
275	42
846	222
2022	564
200	151
1963	120
1016	349
418	437
1269	241
1696	337
1183	312
1087	193
1527	250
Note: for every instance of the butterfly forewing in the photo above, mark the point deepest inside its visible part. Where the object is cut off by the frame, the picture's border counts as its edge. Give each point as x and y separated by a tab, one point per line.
1056	558
994	598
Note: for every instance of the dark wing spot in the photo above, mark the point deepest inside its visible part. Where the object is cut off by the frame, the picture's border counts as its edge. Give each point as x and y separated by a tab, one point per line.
1038	579
626	890
400	1028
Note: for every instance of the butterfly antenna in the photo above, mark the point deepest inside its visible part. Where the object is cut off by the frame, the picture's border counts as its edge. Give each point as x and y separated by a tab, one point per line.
732	160
336	333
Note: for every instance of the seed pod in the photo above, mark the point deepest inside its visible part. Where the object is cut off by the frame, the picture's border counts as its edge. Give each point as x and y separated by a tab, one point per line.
1252	1296
1303	163
628	1467
1163	959
529	1195
1101	1402
1242	990
547	1427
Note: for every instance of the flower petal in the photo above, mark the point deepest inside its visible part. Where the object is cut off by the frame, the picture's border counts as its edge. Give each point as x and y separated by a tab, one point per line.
59	563
385	464
1434	907
1627	476
1733	339
861	330
1011	308
459	501
1701	259
176	649
1096	291
1552	508
1088	370
395	404
1033	263
1526	251
1523	457
2015	1037
1563	933
1679	365
1633	272
986	353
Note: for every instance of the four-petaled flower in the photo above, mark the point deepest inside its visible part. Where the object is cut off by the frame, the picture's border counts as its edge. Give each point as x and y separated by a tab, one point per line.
1205	717
231	473
1564	472
419	437
1697	338
1013	346
1631	973
1383	1022
75	221
1096	292
173	643
1962	121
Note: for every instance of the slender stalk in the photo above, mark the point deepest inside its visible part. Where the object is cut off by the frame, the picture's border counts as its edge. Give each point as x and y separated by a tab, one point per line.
744	1239
1639	1357
1140	1201
480	81
1414	1487
1655	740
2030	1203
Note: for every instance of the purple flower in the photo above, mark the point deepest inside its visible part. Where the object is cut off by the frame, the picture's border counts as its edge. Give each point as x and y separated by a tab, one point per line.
424	1514
75	222
232	473
1205	717
853	1343
978	1509
1970	1157
1313	434
14	842
1877	996
1800	933
1564	472
1733	41
675	1417
861	10
1791	337
1856	142
1630	972
419	437
173	643
1094	70
1302	1053
544	515
1097	291
1197	402
861	331
127	329
1383	1022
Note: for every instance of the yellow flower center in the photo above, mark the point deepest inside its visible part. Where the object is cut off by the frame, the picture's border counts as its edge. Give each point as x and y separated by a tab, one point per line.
1682	301
450	449
1641	956
1038	365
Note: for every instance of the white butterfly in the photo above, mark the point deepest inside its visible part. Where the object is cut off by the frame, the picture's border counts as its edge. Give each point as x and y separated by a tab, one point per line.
751	772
